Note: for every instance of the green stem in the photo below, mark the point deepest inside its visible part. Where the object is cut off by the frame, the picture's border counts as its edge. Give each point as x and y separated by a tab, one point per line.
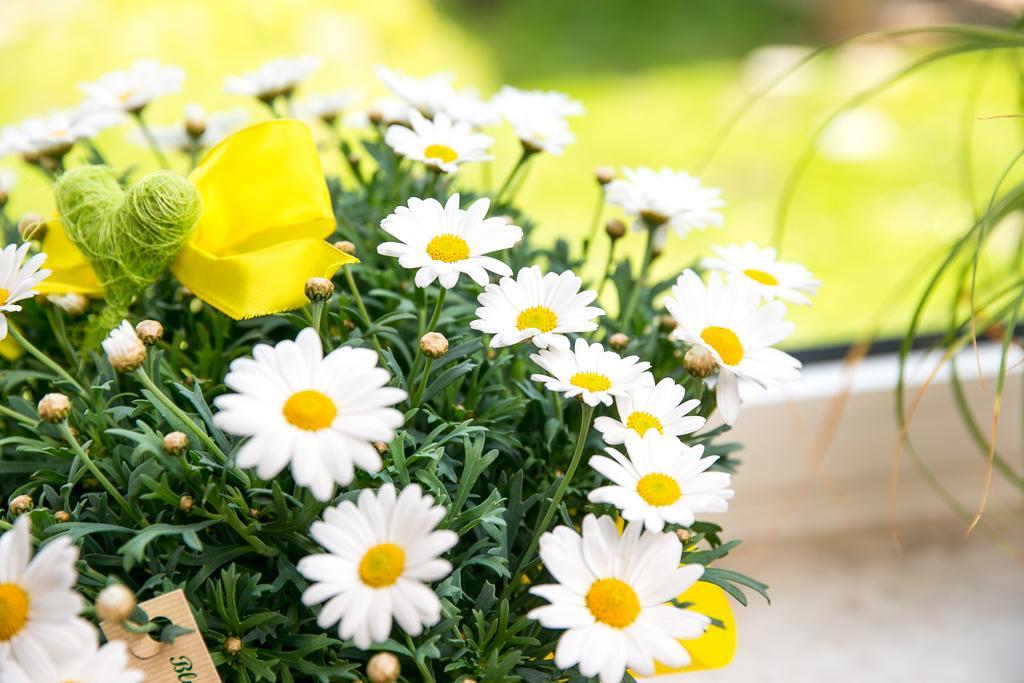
423	383
210	444
60	332
44	359
361	306
556	500
607	266
150	140
511	176
14	415
427	676
594	222
437	311
640	281
100	477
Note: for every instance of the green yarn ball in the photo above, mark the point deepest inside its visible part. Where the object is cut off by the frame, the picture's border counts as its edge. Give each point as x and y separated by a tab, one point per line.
128	236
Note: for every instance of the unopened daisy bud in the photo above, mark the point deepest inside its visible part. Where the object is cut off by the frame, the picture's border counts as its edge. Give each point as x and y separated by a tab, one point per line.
684	535
195	120
195	305
149	331
699	362
604	174
383	667
175	443
618	341
345	247
615	228
31	226
115	603
375	115
19	505
319	289
354	159
382	448
186	503
232	645
60	517
433	345
667	322
54	408
124	349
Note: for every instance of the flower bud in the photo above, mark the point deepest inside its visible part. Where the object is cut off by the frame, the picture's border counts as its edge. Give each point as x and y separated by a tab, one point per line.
31	226
349	324
684	535
115	603
319	289
375	115
195	120
345	247
233	645
149	331
383	667
618	341
186	503
667	323
604	174
382	448
54	408
124	349
433	345
175	443
354	159
19	505
699	362
615	228
195	305
60	517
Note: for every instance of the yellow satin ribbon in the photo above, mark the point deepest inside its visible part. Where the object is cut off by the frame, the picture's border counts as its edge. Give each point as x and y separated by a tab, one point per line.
10	349
714	649
266	213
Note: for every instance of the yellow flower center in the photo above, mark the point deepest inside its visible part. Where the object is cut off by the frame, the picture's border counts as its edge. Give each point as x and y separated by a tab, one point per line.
613	602
640	422
13	610
761	276
591	381
539	317
310	410
4	295
725	342
382	565
658	489
448	248
444	153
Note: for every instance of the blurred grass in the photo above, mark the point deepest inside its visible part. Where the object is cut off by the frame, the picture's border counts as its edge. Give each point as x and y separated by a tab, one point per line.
657	85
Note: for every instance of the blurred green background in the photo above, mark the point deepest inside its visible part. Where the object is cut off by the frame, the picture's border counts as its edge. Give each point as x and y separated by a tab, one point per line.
658	79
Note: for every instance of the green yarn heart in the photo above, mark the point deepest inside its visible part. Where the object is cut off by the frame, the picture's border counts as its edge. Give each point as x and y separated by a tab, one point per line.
128	236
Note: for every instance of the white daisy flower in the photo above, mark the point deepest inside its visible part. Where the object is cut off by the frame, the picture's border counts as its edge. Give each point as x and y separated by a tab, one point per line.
436	94
660	407
538	117
440	144
7	181
107	664
38	601
125	351
72	302
55	133
272	79
666	198
730	322
17	279
381	553
535	307
131	89
321	413
327	107
444	241
776	279
590	372
205	130
613	599
388	111
663	481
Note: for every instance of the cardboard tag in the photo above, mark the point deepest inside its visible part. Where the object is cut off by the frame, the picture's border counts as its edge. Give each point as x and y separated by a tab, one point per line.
186	660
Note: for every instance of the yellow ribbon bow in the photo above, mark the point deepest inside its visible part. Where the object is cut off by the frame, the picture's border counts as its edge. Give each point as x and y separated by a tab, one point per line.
714	649
266	213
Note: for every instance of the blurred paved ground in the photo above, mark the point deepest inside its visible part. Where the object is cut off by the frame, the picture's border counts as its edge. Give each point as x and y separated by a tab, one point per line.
847	607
